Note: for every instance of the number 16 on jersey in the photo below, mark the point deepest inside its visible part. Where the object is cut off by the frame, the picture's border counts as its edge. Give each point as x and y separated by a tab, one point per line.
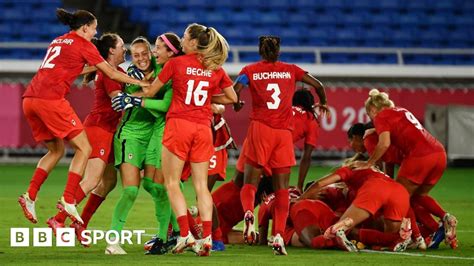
200	95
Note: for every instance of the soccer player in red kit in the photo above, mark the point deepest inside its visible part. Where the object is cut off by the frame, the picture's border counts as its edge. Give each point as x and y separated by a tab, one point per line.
364	138
310	219
266	212
197	79
50	115
272	84
305	126
100	126
424	157
375	192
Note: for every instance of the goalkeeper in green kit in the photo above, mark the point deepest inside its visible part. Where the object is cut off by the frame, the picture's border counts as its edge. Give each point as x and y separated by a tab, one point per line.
167	46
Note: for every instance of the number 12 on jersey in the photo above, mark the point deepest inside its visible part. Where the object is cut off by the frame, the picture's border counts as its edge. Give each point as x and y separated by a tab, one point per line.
52	53
200	95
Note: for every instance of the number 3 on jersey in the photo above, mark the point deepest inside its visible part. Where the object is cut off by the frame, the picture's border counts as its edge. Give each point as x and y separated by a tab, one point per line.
200	95
276	92
52	53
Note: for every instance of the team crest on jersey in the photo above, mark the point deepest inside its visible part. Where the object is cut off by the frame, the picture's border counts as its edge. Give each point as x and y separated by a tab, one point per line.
73	122
130	156
102	152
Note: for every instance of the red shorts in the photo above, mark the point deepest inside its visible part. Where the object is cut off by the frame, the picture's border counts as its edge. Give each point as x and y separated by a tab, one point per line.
101	141
187	140
425	170
186	172
391	198
269	146
312	212
218	164
51	119
240	166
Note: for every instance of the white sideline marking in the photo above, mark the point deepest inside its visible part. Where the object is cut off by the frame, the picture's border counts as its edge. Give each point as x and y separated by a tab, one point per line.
417	255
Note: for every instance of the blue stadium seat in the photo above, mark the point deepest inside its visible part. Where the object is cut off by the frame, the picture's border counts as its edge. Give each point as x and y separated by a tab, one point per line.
298	58
334	58
6	29
187	17
139	14
12	14
348	23
249	57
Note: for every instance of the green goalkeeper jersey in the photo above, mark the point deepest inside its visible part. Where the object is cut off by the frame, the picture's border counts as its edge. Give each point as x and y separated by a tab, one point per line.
137	123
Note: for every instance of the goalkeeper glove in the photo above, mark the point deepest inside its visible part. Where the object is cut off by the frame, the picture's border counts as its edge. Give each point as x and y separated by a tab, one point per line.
135	73
124	101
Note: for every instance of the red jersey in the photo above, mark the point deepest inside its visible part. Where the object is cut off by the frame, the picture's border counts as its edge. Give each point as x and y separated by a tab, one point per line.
337	198
266	212
406	133
354	179
272	86
193	87
228	204
63	62
221	133
304	126
102	114
391	155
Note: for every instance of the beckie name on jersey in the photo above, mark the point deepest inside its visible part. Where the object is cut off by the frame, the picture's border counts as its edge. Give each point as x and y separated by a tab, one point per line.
65	41
198	72
271	75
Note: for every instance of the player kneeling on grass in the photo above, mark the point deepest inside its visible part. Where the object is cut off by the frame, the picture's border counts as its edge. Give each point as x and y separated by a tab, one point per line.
375	192
266	213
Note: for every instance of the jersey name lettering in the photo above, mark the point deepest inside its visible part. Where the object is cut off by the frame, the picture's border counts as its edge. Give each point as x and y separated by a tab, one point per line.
271	75
65	41
198	72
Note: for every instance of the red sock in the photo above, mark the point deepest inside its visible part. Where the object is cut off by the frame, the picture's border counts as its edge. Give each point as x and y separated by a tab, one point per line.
60	217
80	195
206	228
414	227
424	217
92	205
430	204
72	184
247	197
39	176
217	234
319	242
373	237
193	226
282	206
183	225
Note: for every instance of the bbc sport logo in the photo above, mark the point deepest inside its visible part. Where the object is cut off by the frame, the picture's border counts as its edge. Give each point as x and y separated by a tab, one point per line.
66	237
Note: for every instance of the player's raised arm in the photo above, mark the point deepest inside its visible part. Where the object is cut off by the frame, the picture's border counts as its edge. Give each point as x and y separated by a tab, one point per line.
319	88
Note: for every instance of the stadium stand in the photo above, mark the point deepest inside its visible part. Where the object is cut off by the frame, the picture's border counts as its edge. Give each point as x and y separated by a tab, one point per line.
339	23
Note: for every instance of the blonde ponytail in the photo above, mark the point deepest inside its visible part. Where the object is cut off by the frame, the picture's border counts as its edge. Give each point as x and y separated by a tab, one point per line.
211	45
378	100
215	53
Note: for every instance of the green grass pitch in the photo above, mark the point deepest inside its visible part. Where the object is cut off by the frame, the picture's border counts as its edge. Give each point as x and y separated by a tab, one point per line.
455	192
